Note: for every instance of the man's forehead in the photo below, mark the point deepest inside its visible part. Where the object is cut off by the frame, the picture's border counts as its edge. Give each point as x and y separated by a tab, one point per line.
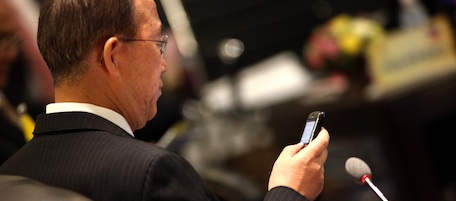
148	6
147	10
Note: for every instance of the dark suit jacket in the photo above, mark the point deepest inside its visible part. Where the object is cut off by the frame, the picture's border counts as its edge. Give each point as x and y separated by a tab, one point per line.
90	155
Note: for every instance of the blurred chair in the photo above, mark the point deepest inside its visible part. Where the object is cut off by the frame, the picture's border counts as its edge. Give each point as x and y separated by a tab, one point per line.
14	188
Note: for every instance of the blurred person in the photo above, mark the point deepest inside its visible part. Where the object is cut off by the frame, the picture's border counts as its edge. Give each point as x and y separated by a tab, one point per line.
108	78
17	105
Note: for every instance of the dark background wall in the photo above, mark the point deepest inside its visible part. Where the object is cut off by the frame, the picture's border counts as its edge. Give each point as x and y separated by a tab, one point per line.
267	27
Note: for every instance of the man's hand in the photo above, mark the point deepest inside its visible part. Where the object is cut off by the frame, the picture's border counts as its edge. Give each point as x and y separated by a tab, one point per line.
301	167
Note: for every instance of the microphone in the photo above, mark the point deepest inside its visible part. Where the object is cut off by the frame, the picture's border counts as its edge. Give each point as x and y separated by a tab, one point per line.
361	172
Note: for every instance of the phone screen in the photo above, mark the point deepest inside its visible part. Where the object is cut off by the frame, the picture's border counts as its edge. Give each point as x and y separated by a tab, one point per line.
313	125
307	133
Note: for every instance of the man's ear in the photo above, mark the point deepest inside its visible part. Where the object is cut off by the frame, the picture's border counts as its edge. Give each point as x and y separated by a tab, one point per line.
109	54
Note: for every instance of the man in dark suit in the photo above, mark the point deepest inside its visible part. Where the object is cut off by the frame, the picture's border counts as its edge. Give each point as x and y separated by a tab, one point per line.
106	59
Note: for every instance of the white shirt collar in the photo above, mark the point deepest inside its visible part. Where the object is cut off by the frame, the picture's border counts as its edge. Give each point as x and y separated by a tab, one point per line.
106	113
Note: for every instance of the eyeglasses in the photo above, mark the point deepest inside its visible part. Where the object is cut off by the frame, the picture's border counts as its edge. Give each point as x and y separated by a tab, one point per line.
10	41
163	42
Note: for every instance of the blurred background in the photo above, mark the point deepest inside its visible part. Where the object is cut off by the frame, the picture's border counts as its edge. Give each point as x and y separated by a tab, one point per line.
244	75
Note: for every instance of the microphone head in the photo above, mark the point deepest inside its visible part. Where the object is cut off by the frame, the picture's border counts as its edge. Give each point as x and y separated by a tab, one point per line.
358	169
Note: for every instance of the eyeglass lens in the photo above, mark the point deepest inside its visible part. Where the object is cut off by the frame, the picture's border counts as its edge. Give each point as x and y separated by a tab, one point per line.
163	44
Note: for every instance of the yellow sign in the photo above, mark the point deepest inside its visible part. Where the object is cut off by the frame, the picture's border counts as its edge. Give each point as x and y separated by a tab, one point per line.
412	56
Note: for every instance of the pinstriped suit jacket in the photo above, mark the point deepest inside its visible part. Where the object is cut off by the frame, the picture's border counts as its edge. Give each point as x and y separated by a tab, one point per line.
90	155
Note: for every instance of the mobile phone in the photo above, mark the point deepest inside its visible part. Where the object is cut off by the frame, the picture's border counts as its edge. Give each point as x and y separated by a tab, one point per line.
313	126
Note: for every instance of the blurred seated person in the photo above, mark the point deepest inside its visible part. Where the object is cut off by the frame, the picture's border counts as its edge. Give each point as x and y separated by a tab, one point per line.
19	62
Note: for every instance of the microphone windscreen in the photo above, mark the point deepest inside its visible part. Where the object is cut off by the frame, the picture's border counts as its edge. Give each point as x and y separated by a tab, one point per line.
357	168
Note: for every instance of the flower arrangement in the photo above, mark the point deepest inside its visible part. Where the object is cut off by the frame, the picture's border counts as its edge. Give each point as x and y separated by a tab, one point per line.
339	44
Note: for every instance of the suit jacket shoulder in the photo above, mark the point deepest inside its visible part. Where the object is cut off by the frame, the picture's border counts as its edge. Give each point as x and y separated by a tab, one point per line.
90	155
